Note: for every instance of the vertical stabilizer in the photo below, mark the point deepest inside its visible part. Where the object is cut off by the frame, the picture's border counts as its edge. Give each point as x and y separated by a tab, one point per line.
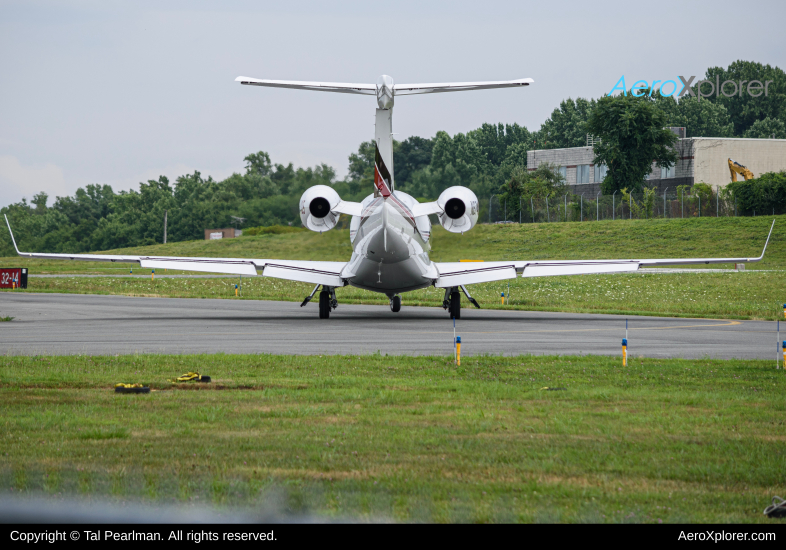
383	136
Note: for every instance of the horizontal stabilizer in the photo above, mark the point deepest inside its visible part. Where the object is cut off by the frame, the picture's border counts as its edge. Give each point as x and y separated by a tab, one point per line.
409	89
340	87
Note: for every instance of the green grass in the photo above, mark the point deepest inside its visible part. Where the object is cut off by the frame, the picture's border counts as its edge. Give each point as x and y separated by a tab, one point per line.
6	319
412	439
756	294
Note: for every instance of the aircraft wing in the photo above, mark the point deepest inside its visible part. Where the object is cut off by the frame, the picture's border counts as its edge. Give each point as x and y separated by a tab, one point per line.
467	273
325	273
341	87
409	89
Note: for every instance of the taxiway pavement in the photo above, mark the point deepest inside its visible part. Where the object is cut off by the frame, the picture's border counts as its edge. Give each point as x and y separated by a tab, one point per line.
59	324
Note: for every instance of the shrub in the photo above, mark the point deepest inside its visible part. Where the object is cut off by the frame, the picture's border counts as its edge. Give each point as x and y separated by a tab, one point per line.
763	195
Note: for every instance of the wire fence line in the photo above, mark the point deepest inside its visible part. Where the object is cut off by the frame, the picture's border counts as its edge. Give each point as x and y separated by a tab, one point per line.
572	207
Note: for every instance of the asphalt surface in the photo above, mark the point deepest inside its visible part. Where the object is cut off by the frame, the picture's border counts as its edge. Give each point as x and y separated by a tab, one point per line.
57	324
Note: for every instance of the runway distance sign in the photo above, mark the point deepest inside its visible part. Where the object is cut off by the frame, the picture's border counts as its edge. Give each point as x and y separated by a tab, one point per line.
13	277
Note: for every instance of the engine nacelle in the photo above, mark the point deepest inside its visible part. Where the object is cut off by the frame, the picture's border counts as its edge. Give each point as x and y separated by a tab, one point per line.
460	209
316	206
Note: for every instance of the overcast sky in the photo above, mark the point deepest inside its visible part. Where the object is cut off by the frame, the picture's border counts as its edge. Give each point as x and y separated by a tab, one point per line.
117	93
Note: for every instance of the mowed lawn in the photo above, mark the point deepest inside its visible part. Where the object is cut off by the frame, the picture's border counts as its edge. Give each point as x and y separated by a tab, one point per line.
751	295
406	439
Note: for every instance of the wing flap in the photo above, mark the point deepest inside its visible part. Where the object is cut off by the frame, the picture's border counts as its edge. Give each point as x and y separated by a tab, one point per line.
455	273
546	269
202	265
305	272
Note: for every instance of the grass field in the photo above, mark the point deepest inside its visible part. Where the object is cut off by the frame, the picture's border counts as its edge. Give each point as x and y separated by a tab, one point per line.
409	439
749	295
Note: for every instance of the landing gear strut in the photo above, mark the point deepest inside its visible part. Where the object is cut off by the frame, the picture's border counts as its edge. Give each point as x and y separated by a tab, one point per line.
452	301
395	303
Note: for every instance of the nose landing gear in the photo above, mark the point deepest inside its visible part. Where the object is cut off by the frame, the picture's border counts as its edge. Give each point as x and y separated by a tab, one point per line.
395	303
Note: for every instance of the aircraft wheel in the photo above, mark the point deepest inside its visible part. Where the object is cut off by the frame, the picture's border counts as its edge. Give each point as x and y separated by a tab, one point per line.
455	305
395	304
324	304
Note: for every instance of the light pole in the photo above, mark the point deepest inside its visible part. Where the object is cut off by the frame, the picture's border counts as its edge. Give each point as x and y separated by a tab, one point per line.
597	206
613	206
581	219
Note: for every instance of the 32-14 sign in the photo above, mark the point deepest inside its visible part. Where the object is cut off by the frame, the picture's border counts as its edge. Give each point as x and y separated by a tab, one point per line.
15	277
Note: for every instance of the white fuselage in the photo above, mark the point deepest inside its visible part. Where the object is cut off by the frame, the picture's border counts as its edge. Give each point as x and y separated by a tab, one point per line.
390	246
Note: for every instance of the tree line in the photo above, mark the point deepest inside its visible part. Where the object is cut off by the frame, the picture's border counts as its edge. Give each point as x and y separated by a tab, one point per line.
489	160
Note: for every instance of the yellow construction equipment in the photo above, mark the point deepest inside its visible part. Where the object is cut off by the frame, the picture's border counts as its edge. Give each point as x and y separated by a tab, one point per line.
737	168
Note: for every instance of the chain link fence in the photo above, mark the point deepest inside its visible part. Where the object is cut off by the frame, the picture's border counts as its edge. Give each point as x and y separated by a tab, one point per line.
637	206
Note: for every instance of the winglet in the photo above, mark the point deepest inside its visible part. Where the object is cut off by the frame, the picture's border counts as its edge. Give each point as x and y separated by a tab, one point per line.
766	242
12	234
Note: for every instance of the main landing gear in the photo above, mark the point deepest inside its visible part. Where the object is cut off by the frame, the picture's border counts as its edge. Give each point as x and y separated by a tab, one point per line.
395	303
327	300
452	301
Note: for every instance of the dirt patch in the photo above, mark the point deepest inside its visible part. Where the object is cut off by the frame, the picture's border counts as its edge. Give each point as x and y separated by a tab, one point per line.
198	386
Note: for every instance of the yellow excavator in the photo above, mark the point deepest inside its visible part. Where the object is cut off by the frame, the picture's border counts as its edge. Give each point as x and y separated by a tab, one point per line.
737	168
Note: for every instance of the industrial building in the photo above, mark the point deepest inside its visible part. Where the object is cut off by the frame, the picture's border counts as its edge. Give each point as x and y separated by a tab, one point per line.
701	159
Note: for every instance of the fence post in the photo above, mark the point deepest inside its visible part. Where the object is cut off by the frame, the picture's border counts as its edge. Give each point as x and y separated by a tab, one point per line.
664	201
613	206
566	206
717	200
699	204
548	216
533	209
491	197
582	208
683	203
630	206
597	206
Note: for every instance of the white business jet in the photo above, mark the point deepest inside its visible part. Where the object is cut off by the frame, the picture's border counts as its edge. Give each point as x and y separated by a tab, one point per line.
389	230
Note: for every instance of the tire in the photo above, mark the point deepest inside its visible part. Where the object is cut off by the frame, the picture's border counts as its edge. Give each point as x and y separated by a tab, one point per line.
324	304
455	305
395	304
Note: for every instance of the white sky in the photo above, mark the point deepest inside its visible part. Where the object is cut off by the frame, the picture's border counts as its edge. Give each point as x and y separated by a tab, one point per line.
112	92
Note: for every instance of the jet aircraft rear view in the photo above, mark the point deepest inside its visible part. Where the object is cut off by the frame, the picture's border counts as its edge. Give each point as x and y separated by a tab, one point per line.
389	230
